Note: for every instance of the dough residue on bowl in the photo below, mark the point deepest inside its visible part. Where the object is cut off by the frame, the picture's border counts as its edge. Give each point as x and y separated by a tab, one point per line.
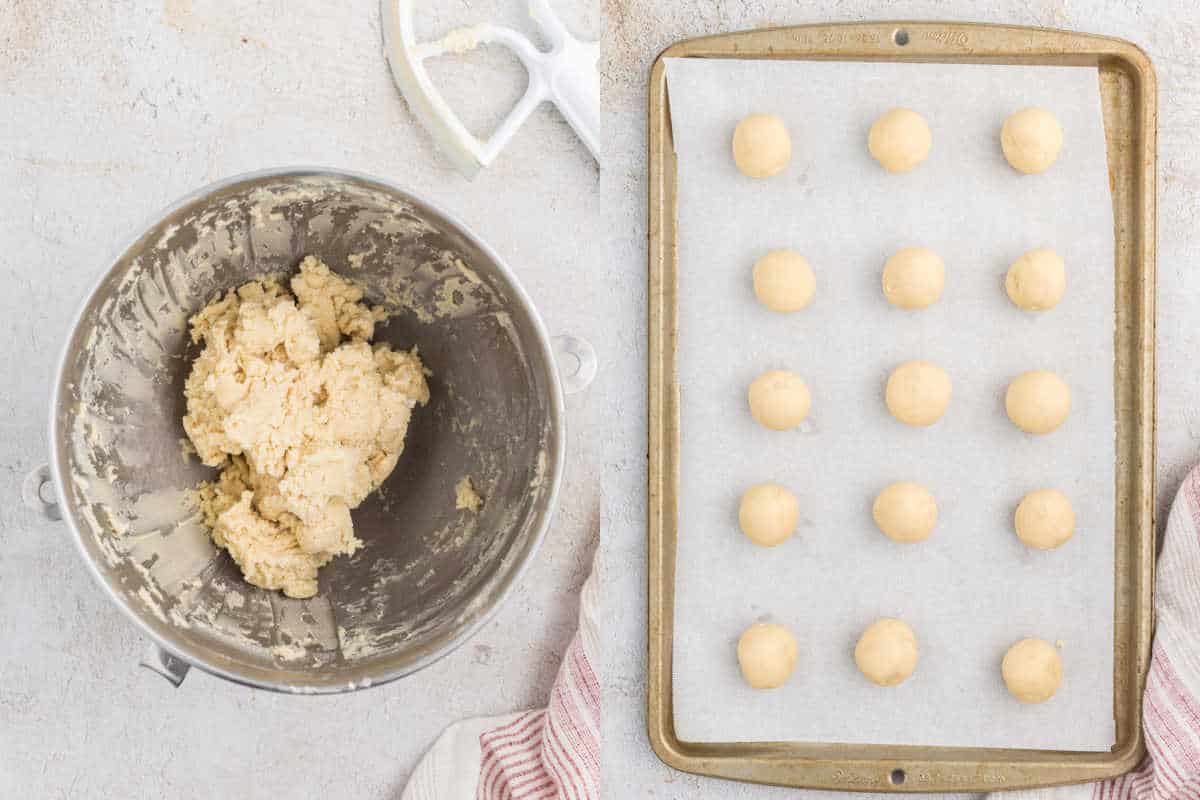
304	416
465	496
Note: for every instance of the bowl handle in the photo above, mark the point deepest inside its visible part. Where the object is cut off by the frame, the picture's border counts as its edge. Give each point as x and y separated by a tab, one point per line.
158	660
38	483
576	361
33	491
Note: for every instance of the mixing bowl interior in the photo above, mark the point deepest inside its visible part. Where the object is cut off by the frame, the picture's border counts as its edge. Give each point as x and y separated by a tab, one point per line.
429	572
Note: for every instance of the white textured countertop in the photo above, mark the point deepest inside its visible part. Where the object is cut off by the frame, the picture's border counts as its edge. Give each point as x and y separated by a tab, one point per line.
637	30
110	111
114	111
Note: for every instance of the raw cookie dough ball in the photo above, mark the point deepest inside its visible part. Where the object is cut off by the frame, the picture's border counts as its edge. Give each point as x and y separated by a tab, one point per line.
1032	670
1037	401
918	393
768	514
1037	280
783	281
766	653
761	145
779	400
899	140
1031	139
913	278
887	652
905	512
1044	519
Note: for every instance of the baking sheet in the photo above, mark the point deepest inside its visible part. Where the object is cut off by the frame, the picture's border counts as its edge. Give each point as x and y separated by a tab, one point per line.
971	589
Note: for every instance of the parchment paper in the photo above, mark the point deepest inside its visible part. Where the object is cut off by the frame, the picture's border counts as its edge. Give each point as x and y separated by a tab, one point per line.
971	589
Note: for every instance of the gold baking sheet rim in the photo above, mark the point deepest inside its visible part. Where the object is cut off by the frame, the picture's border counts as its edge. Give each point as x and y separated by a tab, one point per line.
1129	96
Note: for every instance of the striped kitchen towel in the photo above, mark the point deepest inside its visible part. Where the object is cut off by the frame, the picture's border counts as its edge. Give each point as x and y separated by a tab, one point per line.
1171	705
551	752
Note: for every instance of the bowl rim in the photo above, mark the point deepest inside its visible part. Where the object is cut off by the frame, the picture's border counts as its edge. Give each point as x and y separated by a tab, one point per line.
557	446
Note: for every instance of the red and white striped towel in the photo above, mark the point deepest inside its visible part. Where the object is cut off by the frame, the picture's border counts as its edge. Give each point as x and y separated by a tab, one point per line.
551	752
1171	705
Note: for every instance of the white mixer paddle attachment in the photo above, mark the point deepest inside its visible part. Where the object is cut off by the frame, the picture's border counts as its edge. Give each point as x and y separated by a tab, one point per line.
565	75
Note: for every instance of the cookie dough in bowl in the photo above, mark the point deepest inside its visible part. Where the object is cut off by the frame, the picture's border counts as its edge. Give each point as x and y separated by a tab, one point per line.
303	416
408	573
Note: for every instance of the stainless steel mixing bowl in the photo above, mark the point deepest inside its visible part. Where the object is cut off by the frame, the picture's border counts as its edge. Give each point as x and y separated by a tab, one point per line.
429	574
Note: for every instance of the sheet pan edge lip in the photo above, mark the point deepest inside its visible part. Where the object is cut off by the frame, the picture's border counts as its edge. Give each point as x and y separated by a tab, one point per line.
659	724
1104	45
